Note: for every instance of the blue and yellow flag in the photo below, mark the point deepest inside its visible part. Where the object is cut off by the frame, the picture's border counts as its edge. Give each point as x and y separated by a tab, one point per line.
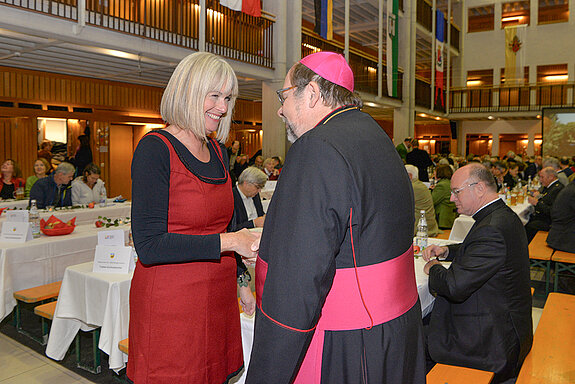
324	18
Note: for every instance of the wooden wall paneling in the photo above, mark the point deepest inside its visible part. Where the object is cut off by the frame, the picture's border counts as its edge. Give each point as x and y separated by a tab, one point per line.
121	150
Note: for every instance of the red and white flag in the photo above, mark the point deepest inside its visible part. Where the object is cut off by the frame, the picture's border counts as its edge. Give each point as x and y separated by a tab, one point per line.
251	7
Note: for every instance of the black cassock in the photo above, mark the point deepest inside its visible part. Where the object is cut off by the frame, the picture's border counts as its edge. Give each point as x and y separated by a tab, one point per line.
345	169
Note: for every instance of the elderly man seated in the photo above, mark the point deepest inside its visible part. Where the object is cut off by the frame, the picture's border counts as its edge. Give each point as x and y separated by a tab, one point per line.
481	317
423	201
54	190
248	210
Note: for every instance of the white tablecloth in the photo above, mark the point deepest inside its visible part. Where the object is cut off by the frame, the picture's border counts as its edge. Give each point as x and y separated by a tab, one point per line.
42	261
463	223
11	204
85	215
89	300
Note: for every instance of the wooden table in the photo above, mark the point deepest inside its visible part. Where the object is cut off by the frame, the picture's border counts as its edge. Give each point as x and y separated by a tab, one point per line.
552	358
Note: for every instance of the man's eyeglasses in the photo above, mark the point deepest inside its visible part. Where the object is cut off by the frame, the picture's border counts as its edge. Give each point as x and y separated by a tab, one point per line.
456	192
281	92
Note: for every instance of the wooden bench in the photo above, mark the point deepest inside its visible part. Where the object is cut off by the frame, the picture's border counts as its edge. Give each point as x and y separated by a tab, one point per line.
46	311
451	374
30	296
564	261
551	359
540	256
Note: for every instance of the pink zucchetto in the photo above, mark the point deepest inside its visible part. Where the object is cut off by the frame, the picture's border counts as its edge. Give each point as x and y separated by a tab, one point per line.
331	66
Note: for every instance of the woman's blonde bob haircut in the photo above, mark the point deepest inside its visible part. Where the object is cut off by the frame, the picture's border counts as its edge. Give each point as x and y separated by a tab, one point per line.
183	101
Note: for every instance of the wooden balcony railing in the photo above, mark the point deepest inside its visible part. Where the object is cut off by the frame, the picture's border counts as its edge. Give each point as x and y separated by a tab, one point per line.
231	34
511	99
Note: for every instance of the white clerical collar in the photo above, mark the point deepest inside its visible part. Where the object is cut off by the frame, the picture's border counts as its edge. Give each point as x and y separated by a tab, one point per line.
553	182
491	202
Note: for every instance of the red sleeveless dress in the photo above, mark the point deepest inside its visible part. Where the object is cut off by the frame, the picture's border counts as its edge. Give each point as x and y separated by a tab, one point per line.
184	318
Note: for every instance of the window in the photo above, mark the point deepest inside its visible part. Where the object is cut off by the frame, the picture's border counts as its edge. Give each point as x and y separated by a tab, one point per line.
514	13
553	11
481	19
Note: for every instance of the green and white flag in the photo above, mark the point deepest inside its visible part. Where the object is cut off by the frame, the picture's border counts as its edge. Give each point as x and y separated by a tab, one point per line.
392	47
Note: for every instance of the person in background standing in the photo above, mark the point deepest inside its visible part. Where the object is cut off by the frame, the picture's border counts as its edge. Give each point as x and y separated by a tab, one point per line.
233	152
404	148
420	159
184	316
45	152
83	155
41	168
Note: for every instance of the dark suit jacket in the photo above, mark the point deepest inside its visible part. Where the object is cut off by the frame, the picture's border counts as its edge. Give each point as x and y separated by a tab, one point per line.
562	233
482	313
541	218
421	160
240	218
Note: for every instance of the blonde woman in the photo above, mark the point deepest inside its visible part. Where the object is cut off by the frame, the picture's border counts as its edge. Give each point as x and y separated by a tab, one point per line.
184	318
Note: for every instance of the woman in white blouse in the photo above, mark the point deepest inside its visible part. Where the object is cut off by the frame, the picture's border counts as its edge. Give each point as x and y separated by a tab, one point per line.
89	187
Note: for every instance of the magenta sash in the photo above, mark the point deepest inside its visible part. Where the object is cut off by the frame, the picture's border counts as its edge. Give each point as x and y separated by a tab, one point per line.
389	290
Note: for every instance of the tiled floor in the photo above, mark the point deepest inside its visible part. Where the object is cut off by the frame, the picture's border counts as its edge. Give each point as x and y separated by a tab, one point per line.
21	365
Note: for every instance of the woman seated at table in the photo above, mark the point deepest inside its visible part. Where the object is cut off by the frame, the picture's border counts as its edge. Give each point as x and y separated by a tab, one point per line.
41	168
11	180
89	187
248	210
184	317
445	209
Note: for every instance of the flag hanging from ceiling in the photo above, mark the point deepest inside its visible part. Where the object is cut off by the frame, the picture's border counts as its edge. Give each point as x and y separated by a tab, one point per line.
514	54
251	7
324	18
392	47
439	56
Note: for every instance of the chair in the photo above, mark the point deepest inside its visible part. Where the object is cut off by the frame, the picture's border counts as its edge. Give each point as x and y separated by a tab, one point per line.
39	294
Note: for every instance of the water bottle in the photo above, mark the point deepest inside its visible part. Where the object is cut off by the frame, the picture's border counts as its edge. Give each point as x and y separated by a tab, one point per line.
34	218
102	198
422	231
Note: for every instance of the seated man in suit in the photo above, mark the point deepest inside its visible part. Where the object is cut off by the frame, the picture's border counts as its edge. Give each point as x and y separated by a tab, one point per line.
543	201
482	312
562	232
248	210
423	201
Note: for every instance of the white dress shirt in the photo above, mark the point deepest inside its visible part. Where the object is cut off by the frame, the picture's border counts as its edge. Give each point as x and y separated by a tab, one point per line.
249	205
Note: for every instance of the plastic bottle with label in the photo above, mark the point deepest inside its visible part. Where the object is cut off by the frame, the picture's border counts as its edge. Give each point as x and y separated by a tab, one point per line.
422	231
34	219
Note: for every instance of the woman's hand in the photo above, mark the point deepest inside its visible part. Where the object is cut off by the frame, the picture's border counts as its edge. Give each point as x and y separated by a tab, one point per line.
247	300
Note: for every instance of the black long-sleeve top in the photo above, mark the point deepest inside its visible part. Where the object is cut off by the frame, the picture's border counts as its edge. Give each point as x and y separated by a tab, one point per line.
150	201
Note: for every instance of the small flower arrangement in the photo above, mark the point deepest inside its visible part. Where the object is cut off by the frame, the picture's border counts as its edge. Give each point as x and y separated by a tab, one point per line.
104	221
